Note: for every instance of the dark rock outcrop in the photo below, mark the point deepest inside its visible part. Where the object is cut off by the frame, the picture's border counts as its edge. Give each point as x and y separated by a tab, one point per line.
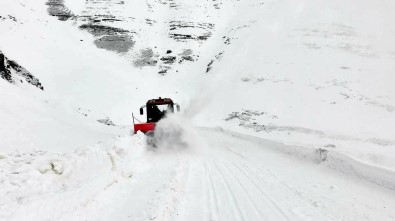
14	73
106	121
4	71
58	9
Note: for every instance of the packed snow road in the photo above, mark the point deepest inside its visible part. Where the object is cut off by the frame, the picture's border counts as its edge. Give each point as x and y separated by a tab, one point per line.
224	177
218	176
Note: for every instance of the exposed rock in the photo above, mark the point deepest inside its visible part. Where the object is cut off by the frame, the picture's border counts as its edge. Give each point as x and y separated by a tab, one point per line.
162	72
320	155
217	58
186	55
177	30
100	30
209	66
145	58
99	19
58	9
4	72
14	73
116	43
107	122
168	59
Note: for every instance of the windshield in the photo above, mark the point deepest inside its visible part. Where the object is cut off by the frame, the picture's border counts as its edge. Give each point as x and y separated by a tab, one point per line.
164	107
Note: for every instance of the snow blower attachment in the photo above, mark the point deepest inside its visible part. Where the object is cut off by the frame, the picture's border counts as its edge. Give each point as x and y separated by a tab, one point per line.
156	109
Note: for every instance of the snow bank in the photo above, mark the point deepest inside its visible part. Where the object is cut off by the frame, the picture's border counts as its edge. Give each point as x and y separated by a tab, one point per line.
40	185
327	157
31	121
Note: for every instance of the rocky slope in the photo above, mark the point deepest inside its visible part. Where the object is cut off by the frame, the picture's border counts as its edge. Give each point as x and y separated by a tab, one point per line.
14	73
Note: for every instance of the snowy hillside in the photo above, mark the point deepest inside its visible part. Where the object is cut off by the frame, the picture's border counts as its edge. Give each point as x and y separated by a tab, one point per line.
288	109
317	74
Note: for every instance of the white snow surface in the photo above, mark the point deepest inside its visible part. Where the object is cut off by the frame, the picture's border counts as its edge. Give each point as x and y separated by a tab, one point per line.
293	121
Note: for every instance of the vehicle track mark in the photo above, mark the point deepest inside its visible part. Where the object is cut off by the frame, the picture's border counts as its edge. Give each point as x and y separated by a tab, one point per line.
239	213
212	198
254	204
266	196
308	201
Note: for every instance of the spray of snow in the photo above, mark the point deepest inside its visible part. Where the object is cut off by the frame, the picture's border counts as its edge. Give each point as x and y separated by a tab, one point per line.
199	102
175	133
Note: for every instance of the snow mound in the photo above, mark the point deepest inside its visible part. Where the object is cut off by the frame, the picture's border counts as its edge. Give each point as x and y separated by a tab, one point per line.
31	180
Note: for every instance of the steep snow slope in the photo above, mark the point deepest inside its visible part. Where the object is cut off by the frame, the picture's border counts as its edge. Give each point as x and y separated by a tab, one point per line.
29	122
31	118
316	74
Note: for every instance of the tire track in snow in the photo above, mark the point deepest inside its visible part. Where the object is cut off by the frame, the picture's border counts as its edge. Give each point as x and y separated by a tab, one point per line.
309	202
257	212
211	197
239	214
264	194
285	190
168	202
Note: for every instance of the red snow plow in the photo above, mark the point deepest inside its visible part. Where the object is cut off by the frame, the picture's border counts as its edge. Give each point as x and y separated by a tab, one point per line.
156	109
144	127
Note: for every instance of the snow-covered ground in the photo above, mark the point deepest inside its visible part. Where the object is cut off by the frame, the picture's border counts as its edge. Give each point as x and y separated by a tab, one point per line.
224	177
300	94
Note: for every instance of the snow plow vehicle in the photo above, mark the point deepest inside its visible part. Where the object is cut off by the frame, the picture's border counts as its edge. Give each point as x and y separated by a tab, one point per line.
156	109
